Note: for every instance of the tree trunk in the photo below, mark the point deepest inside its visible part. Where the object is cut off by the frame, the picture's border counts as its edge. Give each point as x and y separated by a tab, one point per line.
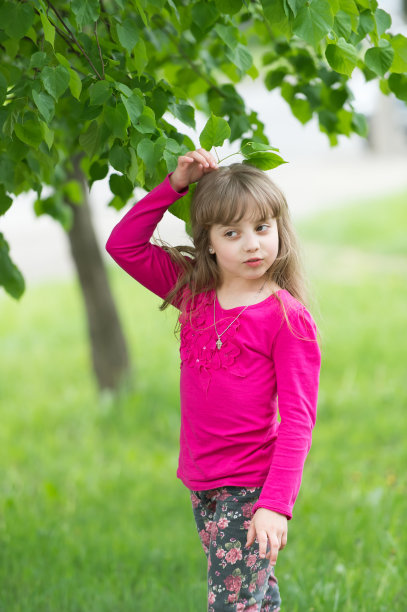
110	356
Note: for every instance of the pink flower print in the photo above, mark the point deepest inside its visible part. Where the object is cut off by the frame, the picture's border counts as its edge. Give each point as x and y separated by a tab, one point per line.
252	587
232	598
253	608
246	524
220	553
234	554
251	560
205	537
211	597
212	528
194	500
223	522
247	510
261	577
233	583
240	607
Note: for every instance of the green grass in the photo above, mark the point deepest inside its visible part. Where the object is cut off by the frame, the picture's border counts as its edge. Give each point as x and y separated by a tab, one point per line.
92	516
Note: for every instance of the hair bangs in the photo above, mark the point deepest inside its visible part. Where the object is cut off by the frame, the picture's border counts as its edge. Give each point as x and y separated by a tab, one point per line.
232	201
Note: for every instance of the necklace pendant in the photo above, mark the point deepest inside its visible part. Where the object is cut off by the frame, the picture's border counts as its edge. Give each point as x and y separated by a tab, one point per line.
219	343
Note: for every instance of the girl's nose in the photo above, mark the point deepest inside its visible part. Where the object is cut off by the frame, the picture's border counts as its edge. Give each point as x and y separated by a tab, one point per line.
251	242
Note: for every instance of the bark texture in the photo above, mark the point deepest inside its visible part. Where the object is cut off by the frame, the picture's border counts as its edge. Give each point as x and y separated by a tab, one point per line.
110	356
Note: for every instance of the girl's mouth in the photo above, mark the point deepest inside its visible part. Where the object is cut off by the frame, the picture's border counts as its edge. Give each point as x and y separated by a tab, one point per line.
254	262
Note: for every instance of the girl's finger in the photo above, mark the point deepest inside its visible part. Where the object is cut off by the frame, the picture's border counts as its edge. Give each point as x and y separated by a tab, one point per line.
209	157
262	538
274	548
200	158
283	541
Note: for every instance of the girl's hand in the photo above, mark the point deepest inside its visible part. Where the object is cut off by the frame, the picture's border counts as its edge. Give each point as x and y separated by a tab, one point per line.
191	167
268	526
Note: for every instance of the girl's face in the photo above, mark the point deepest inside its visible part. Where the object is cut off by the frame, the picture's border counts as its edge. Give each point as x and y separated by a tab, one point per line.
245	249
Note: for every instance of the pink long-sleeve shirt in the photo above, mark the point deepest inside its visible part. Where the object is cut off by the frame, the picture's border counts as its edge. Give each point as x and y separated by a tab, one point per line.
230	434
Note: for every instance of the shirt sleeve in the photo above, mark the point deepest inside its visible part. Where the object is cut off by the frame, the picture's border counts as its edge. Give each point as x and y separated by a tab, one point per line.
297	361
129	243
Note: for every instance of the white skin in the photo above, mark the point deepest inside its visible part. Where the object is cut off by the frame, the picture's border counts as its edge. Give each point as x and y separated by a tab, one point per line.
233	246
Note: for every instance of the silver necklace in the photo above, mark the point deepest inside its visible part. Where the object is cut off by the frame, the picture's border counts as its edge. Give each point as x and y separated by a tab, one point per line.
219	342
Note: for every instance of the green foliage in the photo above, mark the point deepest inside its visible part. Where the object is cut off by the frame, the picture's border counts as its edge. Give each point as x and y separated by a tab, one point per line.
101	81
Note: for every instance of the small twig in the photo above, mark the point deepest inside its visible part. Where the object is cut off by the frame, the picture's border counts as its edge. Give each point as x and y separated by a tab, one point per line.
74	39
100	50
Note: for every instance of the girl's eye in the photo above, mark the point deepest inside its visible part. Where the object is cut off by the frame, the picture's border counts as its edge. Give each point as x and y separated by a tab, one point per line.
229	233
262	227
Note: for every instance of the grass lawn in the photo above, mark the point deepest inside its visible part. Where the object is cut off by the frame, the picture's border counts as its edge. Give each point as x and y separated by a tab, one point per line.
92	516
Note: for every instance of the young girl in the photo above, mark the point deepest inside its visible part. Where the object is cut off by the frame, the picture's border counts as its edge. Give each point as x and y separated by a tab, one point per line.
248	350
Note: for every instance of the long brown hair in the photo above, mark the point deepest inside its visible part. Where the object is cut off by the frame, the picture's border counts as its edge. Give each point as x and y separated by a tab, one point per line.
223	196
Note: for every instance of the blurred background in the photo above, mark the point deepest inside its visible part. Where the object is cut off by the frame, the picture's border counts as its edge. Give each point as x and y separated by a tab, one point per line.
92	517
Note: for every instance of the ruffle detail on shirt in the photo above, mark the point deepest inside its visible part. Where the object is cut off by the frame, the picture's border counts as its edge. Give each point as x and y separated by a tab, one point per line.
198	341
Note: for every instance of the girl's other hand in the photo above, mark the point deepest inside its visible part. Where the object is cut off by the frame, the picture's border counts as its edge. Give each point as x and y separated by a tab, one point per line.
268	526
191	167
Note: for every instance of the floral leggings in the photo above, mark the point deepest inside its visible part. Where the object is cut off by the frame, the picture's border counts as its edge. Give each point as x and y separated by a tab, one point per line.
238	580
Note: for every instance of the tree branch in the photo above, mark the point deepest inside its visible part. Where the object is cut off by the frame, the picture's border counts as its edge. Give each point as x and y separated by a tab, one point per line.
74	39
100	50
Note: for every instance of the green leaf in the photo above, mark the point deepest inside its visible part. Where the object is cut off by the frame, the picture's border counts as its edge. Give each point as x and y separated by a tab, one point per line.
5	200
16	18
228	34
139	60
215	132
85	11
342	24
75	84
10	276
276	16
117	119
30	132
90	140
120	186
48	135
119	158
399	44
128	34
301	109
146	122
204	14
55	208
229	7
264	161
349	6
342	57
98	171
55	80
99	92
182	207
379	59
38	59
383	21
398	85
3	90
49	30
240	57
134	106
73	192
251	147
313	21
184	113
146	151
45	104
359	124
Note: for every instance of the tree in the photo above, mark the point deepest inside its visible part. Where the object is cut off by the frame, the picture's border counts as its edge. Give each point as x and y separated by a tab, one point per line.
90	84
